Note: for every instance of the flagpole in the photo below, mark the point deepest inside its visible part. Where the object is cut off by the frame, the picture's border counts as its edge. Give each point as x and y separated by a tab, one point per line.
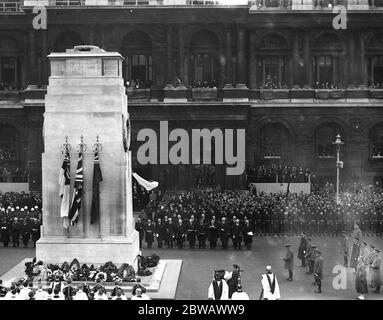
97	148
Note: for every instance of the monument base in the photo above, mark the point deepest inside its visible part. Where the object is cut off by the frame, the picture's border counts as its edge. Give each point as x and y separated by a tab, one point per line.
89	250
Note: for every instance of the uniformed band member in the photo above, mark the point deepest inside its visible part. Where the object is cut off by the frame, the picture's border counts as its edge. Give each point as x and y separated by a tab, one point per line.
318	271
270	287
289	261
218	289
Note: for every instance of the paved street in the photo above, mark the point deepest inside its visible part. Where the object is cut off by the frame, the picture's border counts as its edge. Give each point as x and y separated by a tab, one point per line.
198	266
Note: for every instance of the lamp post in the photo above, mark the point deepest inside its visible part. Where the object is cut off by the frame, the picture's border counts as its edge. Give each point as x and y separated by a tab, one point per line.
339	164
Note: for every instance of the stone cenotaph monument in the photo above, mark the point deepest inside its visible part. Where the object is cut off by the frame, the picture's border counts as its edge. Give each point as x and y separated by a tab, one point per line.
86	99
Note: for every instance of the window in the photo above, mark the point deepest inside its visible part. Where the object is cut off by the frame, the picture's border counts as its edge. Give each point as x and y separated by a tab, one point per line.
273	71
139	70
376	142
274	141
325	136
325	71
8	75
204	70
376	71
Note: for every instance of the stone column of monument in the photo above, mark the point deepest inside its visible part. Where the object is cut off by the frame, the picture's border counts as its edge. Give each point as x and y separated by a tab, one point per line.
86	97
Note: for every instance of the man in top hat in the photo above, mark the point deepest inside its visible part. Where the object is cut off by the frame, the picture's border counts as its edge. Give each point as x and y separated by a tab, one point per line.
376	278
232	279
318	270
289	261
218	289
270	287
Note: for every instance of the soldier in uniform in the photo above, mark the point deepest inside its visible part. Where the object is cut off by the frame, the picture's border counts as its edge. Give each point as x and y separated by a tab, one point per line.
26	232
140	229
247	234
318	271
224	233
35	231
191	234
16	226
201	234
376	277
302	249
212	232
289	261
149	234
180	234
237	235
159	232
4	228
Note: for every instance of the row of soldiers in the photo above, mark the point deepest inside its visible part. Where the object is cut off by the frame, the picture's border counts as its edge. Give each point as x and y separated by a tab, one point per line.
168	232
20	224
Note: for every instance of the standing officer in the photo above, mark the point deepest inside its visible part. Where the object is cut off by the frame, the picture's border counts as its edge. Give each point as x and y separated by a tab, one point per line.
224	232
237	235
289	261
201	234
247	234
212	232
158	231
191	234
140	229
302	249
16	226
4	228
149	234
318	271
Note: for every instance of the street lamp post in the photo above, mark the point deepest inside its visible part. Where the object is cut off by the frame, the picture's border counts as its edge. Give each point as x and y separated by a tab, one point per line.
339	164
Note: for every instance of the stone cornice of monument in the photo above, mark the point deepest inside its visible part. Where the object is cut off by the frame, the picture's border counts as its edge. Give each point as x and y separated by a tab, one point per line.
85	51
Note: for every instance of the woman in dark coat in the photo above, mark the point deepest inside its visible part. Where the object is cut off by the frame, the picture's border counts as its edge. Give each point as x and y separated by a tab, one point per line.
361	279
302	249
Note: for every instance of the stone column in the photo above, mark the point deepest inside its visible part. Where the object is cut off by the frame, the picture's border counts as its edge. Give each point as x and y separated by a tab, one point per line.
252	63
306	58
181	54
32	61
229	64
170	67
44	59
241	59
296	60
351	59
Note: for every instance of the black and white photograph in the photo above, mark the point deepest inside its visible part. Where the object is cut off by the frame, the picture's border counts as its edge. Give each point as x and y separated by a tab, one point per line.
193	150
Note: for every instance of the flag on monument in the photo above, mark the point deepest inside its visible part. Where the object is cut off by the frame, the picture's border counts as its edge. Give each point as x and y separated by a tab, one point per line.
148	185
78	184
64	182
97	178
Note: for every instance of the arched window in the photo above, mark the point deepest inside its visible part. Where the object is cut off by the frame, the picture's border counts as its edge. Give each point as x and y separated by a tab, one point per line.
272	62
10	62
137	48
10	167
67	40
325	135
375	62
376	141
203	59
325	55
274	141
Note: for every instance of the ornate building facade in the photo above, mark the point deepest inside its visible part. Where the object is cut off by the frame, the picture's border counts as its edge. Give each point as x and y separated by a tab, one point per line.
276	68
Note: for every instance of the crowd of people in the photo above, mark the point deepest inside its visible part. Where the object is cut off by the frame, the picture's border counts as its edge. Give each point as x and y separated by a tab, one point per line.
277	173
8	86
198	217
20	218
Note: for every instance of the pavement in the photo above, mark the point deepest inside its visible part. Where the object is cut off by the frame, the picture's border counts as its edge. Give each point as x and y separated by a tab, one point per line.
198	266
